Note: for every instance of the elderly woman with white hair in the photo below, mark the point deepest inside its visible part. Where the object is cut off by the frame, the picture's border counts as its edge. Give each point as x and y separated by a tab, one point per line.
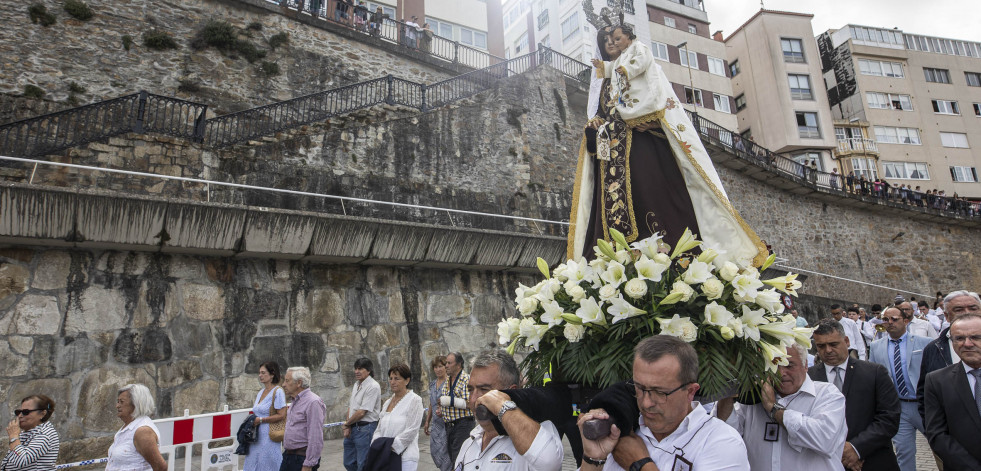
135	447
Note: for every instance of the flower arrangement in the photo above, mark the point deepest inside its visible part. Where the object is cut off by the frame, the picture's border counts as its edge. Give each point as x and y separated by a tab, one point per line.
581	323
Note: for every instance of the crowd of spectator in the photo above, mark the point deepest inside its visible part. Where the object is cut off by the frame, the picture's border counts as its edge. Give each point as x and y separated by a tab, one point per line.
356	15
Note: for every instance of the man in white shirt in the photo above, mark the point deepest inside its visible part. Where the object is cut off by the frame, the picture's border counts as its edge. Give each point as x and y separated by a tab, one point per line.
864	327
362	415
855	338
527	446
798	425
674	433
937	321
917	326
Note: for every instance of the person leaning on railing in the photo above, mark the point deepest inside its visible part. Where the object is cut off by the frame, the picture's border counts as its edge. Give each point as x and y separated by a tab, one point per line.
33	442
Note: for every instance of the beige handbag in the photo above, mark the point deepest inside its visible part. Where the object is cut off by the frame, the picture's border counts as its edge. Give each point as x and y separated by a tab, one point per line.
276	429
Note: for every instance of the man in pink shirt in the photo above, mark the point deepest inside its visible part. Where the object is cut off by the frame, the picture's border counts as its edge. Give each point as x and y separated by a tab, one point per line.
304	437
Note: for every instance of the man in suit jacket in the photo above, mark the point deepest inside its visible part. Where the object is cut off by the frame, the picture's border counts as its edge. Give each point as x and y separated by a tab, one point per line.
938	354
901	354
953	400
872	407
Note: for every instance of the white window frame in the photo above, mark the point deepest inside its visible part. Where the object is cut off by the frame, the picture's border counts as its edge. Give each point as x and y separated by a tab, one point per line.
881	68
521	44
806	131
692	29
734	68
888	101
669	22
964	174
946	107
697	94
957	140
935	75
905	170
570	26
799	92
865	167
792	56
660	51
977	109
976	82
721	103
692	57
738	99
896	135
716	66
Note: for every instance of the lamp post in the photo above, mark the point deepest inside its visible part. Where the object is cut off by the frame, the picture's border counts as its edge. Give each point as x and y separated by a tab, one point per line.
691	81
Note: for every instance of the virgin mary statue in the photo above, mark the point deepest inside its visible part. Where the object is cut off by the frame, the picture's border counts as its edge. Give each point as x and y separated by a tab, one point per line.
649	175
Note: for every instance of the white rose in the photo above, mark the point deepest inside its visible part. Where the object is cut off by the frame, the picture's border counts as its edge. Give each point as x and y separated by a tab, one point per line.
682	288
527	306
728	271
573	332
662	259
577	293
636	288
713	289
607	292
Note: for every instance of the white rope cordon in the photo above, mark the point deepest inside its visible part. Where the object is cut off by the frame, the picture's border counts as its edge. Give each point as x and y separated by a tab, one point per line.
898	290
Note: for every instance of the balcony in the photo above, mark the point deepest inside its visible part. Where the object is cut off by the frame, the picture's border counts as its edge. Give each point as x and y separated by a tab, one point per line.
856	145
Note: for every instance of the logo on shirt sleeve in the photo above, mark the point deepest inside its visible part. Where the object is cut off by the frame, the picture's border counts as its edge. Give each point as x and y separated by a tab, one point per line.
501	458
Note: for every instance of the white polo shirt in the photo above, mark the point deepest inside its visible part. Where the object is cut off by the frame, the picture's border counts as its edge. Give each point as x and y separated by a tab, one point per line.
545	453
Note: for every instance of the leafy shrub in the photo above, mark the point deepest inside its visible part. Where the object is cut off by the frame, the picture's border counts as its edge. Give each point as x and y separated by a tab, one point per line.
158	40
39	14
217	34
249	51
76	88
255	26
268	69
79	10
188	86
279	39
33	91
127	41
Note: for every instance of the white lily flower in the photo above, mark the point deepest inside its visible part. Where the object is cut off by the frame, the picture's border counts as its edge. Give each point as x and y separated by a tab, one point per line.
769	299
746	287
775	356
647	246
697	272
649	269
620	309
783	331
717	314
591	312
803	335
680	327
751	321
507	330
553	313
536	332
615	274
788	283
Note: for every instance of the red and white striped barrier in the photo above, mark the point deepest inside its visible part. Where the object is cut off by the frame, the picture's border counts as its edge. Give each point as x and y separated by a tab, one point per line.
204	429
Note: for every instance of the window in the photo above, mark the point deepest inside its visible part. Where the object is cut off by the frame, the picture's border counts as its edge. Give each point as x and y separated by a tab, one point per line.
717	66
807	125
734	68
863	166
906	170
954	139
692	29
964	174
800	87
570	27
877	37
669	22
521	44
806	158
973	79
892	135
697	99
793	50
721	103
542	19
977	109
740	102
937	75
660	50
387	10
690	58
880	68
476	38
546	41
889	101
945	107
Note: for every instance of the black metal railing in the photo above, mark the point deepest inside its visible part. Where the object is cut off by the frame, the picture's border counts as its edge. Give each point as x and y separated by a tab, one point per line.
139	112
393	31
569	67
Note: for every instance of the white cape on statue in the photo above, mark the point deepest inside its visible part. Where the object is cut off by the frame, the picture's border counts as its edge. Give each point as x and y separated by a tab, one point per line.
719	224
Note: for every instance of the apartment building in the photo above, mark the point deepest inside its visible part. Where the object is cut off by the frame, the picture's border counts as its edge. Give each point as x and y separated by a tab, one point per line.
677	32
914	100
476	23
780	101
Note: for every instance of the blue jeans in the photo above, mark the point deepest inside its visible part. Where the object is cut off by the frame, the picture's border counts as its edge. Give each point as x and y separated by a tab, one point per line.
905	439
356	446
294	463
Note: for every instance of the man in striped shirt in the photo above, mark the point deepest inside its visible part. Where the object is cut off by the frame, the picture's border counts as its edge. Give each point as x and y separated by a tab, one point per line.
453	400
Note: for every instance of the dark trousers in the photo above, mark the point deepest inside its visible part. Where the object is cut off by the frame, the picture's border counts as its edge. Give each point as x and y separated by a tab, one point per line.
457	432
295	463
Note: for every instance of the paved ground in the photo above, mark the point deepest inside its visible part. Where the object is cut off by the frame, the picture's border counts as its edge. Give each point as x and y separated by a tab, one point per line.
333	456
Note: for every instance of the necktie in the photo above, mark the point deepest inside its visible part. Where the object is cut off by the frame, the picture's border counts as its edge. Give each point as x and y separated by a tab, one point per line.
837	382
977	387
897	364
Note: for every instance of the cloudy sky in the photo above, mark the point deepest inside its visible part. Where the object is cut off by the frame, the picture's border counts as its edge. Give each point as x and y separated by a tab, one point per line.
954	19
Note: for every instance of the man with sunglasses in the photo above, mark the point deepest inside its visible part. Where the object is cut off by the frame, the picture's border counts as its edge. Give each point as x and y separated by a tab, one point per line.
799	424
674	432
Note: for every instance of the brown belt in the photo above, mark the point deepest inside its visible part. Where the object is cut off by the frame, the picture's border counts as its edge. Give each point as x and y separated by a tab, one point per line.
298	452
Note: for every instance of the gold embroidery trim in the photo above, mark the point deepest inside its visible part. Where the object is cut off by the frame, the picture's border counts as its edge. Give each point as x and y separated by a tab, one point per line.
634	230
647	118
571	244
761	251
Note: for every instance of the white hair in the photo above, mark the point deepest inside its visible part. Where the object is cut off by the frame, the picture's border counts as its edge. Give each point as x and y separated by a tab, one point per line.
139	395
956	294
800	350
301	375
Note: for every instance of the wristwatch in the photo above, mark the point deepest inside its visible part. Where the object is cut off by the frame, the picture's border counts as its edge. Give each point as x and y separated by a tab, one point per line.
640	463
773	411
508	405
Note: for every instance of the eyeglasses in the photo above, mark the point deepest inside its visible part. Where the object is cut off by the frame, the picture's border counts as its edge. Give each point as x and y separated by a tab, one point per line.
655	394
962	338
26	411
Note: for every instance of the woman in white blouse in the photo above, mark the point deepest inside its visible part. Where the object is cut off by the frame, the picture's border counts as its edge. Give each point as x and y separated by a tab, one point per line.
401	417
136	445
